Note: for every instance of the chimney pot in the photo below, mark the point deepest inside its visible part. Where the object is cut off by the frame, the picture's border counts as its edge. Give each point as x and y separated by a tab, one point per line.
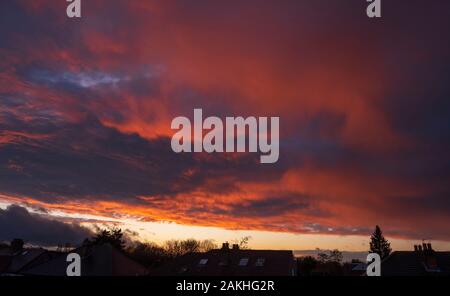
416	248
429	247
225	246
17	245
235	247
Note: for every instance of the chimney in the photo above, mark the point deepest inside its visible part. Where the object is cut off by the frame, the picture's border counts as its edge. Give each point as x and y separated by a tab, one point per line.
425	247
420	248
428	258
17	245
416	248
235	247
225	246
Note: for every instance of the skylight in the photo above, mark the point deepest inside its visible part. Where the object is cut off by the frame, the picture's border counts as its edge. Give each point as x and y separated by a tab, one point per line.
223	263
243	262
260	262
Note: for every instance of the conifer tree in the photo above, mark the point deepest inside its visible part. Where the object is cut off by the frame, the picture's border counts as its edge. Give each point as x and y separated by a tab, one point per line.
378	244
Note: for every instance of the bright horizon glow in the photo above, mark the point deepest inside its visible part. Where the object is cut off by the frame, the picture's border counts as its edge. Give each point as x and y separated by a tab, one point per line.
159	232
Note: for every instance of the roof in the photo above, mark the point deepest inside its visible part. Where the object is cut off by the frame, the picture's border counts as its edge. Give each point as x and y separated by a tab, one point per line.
5	261
97	260
359	267
23	258
231	263
12	262
412	263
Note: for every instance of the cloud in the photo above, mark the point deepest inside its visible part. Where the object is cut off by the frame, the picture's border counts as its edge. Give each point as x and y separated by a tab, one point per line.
270	206
17	222
86	108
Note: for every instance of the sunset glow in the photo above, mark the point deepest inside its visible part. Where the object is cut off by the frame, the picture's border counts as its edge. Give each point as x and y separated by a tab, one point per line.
86	110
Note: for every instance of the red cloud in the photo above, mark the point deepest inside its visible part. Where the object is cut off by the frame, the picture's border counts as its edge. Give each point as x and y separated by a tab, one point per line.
133	66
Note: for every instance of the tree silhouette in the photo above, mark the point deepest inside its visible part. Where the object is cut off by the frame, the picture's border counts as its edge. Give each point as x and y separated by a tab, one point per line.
333	256
243	242
113	237
378	244
175	248
207	245
306	265
330	264
149	254
336	256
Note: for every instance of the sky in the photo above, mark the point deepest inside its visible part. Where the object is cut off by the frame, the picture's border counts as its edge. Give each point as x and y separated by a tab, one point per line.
86	107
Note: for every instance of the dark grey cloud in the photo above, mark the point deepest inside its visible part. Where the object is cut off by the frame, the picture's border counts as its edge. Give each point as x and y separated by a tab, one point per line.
91	161
17	222
330	229
271	206
101	167
278	204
